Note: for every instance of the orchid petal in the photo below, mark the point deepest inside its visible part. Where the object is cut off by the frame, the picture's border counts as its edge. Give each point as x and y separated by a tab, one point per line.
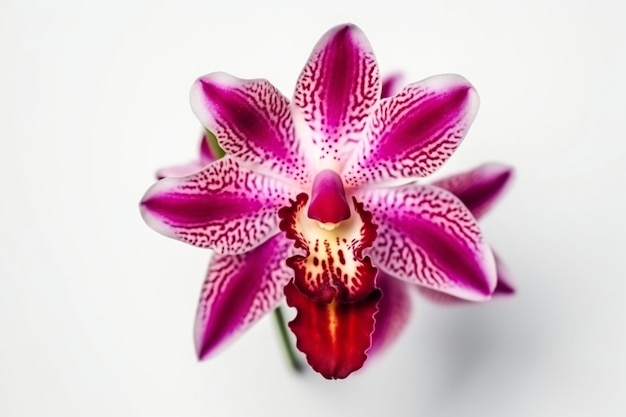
394	310
480	187
503	288
252	122
414	132
334	336
390	85
428	237
224	207
238	291
333	266
335	93
206	156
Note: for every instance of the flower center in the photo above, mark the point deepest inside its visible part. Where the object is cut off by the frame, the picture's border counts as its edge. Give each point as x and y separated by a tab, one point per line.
329	205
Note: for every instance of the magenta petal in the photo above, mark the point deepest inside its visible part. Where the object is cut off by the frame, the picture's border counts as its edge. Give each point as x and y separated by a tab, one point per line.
224	207
391	85
414	132
238	291
335	93
252	122
394	310
503	288
428	237
480	187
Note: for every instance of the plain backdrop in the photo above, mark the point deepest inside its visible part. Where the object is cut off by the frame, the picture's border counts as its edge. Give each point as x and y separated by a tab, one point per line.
96	309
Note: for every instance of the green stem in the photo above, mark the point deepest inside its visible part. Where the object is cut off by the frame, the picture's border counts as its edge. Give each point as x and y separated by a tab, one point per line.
284	335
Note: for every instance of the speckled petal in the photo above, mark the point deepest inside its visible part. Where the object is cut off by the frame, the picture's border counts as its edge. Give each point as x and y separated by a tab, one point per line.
428	237
335	94
414	132
238	291
252	122
224	207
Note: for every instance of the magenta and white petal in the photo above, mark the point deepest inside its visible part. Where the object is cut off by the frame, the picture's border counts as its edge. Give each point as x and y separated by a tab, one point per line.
224	207
335	94
238	291
414	132
394	311
252	122
503	288
480	187
428	237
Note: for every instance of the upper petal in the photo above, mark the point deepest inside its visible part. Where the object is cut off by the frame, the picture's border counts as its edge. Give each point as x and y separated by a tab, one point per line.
428	237
252	122
480	187
238	291
414	132
224	207
335	93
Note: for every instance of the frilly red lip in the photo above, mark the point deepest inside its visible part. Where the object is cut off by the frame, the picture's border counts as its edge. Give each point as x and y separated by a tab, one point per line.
334	336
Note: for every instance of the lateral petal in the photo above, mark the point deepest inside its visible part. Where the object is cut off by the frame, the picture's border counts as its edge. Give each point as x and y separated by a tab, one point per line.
480	187
224	207
414	132
334	336
238	291
252	122
428	237
335	94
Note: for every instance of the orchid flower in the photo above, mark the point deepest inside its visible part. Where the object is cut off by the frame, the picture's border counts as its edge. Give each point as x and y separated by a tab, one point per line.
317	200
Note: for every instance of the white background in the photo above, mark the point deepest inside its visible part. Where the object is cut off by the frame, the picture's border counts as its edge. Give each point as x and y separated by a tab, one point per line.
96	309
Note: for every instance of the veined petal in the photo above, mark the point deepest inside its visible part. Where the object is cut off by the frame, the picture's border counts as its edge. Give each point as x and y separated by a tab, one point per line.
334	336
414	132
480	187
238	291
224	207
333	266
503	288
428	237
335	93
206	156
394	310
252	122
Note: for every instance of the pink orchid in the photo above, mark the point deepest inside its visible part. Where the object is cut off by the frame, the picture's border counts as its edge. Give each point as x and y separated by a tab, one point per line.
317	200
